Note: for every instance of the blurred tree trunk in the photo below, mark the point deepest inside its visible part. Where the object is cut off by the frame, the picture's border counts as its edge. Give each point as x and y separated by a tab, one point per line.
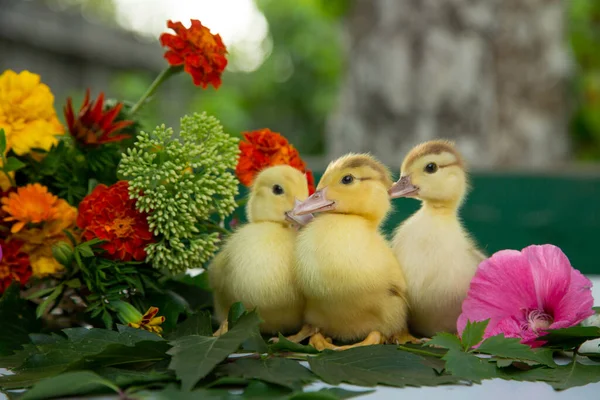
489	74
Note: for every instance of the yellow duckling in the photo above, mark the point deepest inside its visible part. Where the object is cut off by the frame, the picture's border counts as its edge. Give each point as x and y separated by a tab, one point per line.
352	282
438	256
255	265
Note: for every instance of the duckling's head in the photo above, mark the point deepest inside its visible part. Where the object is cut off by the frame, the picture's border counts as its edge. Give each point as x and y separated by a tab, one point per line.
353	184
274	192
434	172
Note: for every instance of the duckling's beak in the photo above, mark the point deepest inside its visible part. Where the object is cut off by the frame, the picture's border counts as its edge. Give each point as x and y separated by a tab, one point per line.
299	220
318	202
403	188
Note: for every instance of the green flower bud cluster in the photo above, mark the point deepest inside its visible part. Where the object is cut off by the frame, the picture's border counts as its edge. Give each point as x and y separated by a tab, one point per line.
183	182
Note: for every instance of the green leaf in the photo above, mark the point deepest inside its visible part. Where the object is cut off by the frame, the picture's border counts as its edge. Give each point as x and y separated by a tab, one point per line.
69	384
126	377
469	366
445	340
46	303
512	348
195	324
18	321
263	390
40	293
328	394
560	378
235	312
49	355
171	392
280	371
2	141
373	365
13	164
473	333
85	250
284	345
570	338
196	356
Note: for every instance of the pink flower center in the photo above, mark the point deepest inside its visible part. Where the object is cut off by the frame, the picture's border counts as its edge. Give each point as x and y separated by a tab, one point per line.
538	320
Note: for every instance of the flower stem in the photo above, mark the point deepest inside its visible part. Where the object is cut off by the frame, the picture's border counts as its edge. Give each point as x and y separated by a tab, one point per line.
162	77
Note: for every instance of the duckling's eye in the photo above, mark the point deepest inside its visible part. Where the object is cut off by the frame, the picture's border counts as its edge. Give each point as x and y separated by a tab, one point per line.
431	168
348	179
277	190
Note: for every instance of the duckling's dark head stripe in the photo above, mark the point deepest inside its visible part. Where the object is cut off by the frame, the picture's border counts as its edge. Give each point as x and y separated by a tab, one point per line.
357	161
433	147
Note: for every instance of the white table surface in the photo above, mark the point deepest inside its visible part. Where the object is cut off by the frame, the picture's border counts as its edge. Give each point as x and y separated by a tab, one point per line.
495	389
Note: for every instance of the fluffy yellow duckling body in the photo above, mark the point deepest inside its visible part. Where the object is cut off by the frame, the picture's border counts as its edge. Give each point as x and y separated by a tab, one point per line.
352	282
438	256
255	265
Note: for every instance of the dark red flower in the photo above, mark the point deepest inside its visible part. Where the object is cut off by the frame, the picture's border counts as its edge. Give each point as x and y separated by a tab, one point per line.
15	265
109	214
93	126
200	52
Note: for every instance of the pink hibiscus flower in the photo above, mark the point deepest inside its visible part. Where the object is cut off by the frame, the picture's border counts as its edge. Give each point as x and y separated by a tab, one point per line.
523	293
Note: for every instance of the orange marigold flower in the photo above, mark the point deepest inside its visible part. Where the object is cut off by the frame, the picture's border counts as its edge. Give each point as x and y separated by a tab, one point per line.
14	265
93	126
264	148
109	214
30	204
39	220
200	52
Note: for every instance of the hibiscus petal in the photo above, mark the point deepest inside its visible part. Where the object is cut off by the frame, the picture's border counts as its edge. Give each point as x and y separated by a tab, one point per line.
551	271
576	304
502	287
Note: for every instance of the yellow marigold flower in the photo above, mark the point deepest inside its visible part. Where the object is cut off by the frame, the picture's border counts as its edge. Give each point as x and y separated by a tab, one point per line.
27	112
40	221
149	322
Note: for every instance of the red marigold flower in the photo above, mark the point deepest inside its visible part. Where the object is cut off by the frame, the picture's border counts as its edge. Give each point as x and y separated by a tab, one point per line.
200	52
14	265
109	214
93	126
264	148
311	181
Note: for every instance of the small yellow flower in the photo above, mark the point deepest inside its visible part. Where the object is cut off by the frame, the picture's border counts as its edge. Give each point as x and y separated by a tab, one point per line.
150	322
27	112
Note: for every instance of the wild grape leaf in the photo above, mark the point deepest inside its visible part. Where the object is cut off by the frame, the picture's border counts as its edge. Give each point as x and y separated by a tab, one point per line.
49	355
560	378
284	345
69	384
570	338
171	392
468	366
18	320
280	371
227	381
512	348
445	340
235	312
126	377
372	365
195	356
263	390
195	324
328	394
473	333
